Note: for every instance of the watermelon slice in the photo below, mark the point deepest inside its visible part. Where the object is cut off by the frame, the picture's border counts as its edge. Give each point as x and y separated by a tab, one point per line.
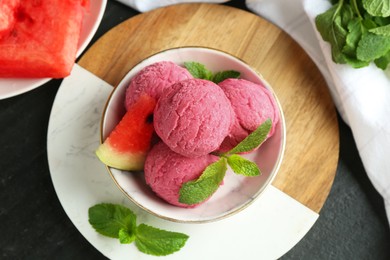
43	38
127	145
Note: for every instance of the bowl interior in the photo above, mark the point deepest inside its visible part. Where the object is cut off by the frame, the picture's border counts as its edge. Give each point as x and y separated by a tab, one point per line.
237	192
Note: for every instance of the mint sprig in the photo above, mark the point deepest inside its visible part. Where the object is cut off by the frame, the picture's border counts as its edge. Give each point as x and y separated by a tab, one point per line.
193	192
200	71
196	191
116	221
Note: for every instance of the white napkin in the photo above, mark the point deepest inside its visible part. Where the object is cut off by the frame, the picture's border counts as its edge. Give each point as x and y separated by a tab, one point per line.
362	96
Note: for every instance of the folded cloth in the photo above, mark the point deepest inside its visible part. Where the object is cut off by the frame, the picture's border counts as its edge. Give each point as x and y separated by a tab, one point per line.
362	96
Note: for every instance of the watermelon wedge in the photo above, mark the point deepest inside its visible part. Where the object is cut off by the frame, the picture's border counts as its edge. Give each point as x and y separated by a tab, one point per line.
39	38
127	145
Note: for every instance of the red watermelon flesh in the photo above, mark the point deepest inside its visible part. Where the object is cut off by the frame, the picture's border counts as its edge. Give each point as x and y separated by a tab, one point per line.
43	40
127	145
7	16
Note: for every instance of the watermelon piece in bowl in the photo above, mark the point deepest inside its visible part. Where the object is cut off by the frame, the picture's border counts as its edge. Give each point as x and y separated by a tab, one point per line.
128	143
43	39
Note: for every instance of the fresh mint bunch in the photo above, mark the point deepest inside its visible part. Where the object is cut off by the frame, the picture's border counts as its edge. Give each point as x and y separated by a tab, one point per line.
200	71
198	190
117	221
358	31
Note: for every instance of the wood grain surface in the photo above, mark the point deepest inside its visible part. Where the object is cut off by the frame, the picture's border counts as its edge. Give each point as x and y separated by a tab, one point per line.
312	147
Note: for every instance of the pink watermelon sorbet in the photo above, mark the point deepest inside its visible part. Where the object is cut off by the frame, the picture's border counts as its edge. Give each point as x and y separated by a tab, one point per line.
153	80
193	117
165	172
252	104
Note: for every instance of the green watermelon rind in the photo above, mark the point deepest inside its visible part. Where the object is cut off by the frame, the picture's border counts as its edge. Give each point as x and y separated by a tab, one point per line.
127	161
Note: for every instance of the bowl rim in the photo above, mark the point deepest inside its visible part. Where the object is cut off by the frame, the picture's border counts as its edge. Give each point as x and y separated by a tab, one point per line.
256	195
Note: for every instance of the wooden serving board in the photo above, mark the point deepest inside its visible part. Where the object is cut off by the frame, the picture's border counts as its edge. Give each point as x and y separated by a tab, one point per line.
312	147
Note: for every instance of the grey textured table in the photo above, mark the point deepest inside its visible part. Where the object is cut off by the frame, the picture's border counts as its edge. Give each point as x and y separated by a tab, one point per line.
352	223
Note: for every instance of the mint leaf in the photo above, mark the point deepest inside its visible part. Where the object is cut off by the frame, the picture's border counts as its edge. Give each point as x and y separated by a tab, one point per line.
381	21
198	190
372	46
377	7
254	139
198	70
369	23
125	237
243	166
108	219
355	32
383	61
158	242
222	75
382	30
324	22
346	14
355	62
333	29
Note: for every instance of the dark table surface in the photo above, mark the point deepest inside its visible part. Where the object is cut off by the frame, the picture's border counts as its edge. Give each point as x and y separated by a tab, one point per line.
33	225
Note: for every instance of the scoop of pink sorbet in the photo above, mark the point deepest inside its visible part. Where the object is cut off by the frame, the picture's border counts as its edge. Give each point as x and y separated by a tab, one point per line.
252	104
193	117
153	80
166	171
